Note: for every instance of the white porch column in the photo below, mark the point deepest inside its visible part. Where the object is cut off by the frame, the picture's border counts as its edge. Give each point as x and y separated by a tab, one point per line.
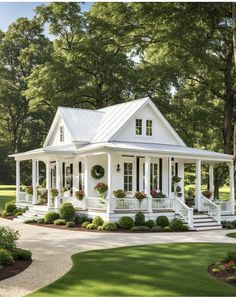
86	176
48	183
75	176
169	177
198	185
58	176
147	182
232	187
181	174
37	173
17	180
110	168
211	178
34	181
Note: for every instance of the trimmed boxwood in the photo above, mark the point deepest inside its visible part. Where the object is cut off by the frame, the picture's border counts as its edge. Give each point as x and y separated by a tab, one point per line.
156	229
50	217
126	222
70	224
85	224
162	221
5	257
150	223
10	207
97	221
109	226
59	222
91	226
21	254
178	225
139	219
140	228
67	212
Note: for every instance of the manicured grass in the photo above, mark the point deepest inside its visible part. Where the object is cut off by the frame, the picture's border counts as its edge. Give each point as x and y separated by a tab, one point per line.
7	193
233	235
153	270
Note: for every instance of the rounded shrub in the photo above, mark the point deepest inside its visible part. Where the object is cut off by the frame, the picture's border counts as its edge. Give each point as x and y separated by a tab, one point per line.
67	212
126	222
91	226
139	219
150	223
167	229
109	226
85	224
19	213
178	225
97	221
81	218
40	221
8	238
5	214
162	221
10	207
5	257
99	228
234	223
140	229
59	222
156	229
229	225
21	254
50	217
70	224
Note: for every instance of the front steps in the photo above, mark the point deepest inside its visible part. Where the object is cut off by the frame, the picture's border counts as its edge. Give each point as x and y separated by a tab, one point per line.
203	222
34	212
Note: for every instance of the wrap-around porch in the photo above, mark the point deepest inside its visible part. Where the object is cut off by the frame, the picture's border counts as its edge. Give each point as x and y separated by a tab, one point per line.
131	172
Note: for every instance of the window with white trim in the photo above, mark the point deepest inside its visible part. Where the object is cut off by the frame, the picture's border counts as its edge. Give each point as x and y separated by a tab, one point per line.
138	126
149	127
81	176
62	134
128	177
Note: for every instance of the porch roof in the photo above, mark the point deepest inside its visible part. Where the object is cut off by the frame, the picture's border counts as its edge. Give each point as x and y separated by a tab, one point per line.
164	149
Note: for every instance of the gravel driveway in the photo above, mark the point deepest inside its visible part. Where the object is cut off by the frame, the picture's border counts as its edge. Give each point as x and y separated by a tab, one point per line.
52	250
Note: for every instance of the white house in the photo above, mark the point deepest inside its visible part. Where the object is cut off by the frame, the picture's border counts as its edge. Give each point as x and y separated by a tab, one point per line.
138	150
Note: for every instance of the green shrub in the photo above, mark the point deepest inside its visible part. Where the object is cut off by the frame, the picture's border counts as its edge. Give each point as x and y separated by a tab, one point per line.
59	222
81	218
162	221
150	223
97	221
8	238
139	219
40	221
67	212
126	222
85	224
5	214
167	229
17	210
156	229
19	213
230	256
223	223
109	226
10	207
50	217
91	226
5	257
231	279
178	225
140	228
229	225
30	221
215	270
70	224
234	223
20	254
100	228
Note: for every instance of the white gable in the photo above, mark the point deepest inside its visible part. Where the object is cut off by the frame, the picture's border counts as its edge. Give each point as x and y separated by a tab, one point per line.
55	136
162	132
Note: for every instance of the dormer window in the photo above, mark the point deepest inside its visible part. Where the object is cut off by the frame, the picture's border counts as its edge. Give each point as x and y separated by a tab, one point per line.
61	133
149	127
138	128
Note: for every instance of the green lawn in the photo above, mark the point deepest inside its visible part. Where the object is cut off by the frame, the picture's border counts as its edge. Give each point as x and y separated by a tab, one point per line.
233	235
7	193
153	270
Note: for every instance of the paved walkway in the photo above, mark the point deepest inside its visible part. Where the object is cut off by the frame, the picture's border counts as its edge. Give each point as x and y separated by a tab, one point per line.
52	250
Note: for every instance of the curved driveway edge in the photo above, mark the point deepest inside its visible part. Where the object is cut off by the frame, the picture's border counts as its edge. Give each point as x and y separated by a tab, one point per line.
52	250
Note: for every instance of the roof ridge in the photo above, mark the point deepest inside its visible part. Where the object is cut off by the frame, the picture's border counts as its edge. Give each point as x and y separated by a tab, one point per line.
135	100
82	109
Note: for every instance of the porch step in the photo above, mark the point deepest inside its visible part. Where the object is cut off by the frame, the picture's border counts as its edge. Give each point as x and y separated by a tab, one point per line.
208	228
34	212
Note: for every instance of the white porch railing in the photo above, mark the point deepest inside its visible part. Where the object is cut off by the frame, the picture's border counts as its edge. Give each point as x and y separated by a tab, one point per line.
162	203
225	207
130	203
24	197
211	208
184	211
95	203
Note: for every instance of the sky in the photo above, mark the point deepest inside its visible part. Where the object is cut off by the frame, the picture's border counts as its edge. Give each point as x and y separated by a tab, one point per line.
10	11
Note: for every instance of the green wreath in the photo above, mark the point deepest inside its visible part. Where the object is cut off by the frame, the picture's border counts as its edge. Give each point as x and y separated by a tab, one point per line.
97	171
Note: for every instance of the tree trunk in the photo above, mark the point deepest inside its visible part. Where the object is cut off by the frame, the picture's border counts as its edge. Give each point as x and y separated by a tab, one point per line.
234	29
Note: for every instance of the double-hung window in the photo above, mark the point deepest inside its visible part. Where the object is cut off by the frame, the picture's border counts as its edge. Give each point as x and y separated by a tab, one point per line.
61	133
138	127
128	177
149	127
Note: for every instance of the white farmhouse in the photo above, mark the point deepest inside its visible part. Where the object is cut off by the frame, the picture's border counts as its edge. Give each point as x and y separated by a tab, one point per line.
129	146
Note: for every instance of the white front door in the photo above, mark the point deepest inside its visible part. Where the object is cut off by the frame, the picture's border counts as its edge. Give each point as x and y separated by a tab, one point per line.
154	175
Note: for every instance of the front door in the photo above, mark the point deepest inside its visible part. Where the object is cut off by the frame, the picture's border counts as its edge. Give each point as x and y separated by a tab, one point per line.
69	177
154	175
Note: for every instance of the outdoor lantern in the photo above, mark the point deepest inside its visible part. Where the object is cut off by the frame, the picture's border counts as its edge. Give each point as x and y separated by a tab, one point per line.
118	168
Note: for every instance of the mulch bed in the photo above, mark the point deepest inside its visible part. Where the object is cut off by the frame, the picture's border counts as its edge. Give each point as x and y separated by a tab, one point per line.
222	275
17	267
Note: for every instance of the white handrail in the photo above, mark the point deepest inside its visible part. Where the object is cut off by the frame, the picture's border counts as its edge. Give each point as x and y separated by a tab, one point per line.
183	210
211	208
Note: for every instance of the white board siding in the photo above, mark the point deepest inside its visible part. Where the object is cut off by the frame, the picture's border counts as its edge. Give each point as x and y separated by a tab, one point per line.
55	138
160	133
